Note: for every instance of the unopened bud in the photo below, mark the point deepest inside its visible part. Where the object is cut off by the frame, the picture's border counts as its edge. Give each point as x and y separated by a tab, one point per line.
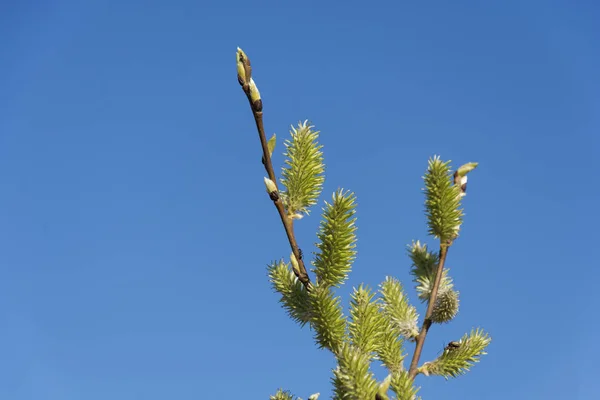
295	265
255	96
296	216
271	189
314	396
244	70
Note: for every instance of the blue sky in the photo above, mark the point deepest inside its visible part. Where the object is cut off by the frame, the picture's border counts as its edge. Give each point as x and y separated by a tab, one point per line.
134	226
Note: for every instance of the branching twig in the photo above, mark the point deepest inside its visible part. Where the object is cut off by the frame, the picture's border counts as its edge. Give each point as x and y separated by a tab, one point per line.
414	364
249	87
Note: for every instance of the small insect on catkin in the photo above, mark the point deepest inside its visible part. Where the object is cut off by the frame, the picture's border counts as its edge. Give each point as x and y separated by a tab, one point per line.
453	345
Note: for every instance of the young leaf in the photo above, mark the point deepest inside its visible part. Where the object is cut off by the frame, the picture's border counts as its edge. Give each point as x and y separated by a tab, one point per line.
442	203
337	240
271	144
303	176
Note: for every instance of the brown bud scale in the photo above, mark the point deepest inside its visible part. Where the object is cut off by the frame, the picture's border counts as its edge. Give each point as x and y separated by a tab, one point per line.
274	196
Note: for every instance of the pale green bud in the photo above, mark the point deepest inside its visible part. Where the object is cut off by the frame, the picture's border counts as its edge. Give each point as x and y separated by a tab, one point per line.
271	187
295	265
255	96
244	70
314	396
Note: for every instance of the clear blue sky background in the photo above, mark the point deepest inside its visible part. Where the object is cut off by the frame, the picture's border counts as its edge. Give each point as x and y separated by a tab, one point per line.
134	226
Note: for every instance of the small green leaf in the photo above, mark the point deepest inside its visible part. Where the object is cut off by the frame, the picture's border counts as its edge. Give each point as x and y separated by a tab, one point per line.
271	144
466	168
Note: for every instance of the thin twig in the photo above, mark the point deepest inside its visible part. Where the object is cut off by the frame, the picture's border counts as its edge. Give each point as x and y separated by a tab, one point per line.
288	223
413	370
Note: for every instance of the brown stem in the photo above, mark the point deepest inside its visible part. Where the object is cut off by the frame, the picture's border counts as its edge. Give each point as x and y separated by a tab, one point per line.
288	223
412	372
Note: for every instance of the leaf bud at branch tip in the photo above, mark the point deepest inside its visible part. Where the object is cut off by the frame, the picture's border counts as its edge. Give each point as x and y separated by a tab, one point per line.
460	176
466	168
314	396
244	69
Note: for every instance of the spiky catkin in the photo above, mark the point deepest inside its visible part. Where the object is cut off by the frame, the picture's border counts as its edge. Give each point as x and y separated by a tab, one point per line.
283	395
353	378
442	201
424	269
302	176
390	350
458	359
403	386
446	307
294	297
337	240
366	324
395	306
327	318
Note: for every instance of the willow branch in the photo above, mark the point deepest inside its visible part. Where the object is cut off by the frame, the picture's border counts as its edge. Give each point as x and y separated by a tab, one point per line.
413	370
288	224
